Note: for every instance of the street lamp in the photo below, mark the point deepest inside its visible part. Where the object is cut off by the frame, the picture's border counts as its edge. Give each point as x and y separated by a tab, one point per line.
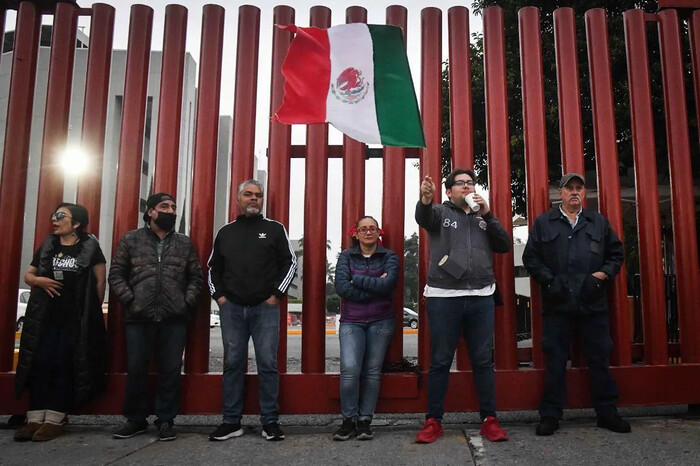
74	161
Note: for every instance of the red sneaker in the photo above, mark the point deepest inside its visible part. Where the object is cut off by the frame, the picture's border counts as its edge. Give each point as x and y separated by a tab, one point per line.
431	431
492	431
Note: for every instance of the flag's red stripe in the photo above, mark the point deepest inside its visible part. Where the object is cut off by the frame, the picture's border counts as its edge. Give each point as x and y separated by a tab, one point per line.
307	70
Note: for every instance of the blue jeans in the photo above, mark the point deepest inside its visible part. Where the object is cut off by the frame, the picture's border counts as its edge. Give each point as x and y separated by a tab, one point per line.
168	338
238	324
449	318
362	350
557	334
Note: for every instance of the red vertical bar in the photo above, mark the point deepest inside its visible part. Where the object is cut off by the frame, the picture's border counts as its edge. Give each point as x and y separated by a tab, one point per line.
243	142
313	337
126	205
607	168
535	138
170	102
431	156
393	205
498	148
58	92
279	143
694	27
13	183
353	161
571	133
685	237
95	109
461	132
204	179
646	181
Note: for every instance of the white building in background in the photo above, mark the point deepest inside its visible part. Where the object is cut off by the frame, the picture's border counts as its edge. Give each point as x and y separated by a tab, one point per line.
111	150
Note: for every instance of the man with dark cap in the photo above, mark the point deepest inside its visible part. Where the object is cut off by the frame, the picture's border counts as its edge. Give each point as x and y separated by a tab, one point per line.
573	254
156	274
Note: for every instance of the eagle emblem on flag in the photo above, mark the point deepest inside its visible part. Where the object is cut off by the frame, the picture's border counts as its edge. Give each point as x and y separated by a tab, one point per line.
350	86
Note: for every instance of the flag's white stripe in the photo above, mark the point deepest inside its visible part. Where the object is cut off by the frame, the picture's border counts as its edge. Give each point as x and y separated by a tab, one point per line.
351	47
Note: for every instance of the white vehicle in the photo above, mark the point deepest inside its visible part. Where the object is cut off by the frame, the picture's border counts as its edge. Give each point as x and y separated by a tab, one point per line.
214	318
22	299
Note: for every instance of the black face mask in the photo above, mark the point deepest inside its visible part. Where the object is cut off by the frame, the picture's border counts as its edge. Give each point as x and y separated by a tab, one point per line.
165	220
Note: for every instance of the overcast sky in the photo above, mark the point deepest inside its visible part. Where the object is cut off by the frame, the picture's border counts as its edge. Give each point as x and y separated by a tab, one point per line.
376	14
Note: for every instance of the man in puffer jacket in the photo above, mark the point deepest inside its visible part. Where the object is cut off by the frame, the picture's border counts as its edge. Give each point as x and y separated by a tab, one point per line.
156	275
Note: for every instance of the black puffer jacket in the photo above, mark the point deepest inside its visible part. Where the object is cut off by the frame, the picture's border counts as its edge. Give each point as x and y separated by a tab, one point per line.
90	351
563	261
153	287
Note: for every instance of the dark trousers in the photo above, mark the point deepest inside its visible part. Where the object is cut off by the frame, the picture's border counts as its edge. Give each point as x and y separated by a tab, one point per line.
449	319
595	332
168	339
51	385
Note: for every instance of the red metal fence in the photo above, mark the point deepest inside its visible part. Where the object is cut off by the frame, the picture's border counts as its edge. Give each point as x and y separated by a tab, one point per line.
654	381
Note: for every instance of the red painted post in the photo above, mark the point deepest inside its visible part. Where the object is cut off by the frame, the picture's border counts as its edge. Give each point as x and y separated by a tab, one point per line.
58	93
126	205
243	142
393	205
170	103
646	181
353	161
535	136
694	27
460	74
569	92
607	168
685	239
279	156
204	179
498	148
95	110
431	156
13	183
313	337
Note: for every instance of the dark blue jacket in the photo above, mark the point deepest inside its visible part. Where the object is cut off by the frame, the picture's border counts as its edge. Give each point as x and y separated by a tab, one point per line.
562	260
366	296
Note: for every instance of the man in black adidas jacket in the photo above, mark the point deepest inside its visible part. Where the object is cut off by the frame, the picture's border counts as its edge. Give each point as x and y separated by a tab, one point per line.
250	268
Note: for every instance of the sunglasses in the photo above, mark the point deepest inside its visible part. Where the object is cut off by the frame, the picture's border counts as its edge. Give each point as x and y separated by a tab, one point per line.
58	216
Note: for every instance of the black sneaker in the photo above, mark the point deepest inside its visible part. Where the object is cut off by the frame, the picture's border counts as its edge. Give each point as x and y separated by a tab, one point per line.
363	430
226	431
166	432
130	429
272	432
614	424
547	426
346	430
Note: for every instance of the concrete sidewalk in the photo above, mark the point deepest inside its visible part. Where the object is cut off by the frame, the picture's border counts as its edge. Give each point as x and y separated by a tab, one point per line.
660	436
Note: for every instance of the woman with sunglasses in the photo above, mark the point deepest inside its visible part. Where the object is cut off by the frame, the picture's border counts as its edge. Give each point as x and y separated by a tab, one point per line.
62	355
365	277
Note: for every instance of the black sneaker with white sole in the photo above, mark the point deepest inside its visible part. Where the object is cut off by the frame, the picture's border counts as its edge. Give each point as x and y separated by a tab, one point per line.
226	431
130	429
346	430
272	432
363	430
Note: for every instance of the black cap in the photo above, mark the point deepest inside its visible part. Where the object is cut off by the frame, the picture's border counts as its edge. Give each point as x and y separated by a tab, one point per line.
153	201
568	177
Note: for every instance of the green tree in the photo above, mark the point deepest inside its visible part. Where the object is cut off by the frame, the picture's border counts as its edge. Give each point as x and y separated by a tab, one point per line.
410	279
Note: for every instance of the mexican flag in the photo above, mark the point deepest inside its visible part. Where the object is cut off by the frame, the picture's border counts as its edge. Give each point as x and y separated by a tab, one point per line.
355	77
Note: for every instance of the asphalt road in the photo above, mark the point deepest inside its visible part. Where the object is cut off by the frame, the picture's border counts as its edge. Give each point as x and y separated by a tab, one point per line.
216	352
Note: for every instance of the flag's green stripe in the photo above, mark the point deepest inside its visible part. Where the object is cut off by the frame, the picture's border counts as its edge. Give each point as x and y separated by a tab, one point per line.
397	109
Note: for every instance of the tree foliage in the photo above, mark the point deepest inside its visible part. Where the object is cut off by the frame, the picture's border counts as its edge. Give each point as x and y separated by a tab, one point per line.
615	9
410	279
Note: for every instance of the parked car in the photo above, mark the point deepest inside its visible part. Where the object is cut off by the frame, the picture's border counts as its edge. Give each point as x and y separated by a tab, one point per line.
22	298
214	317
410	318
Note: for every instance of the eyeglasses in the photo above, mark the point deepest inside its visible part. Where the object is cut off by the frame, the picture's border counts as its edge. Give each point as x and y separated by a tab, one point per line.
58	216
461	183
364	230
